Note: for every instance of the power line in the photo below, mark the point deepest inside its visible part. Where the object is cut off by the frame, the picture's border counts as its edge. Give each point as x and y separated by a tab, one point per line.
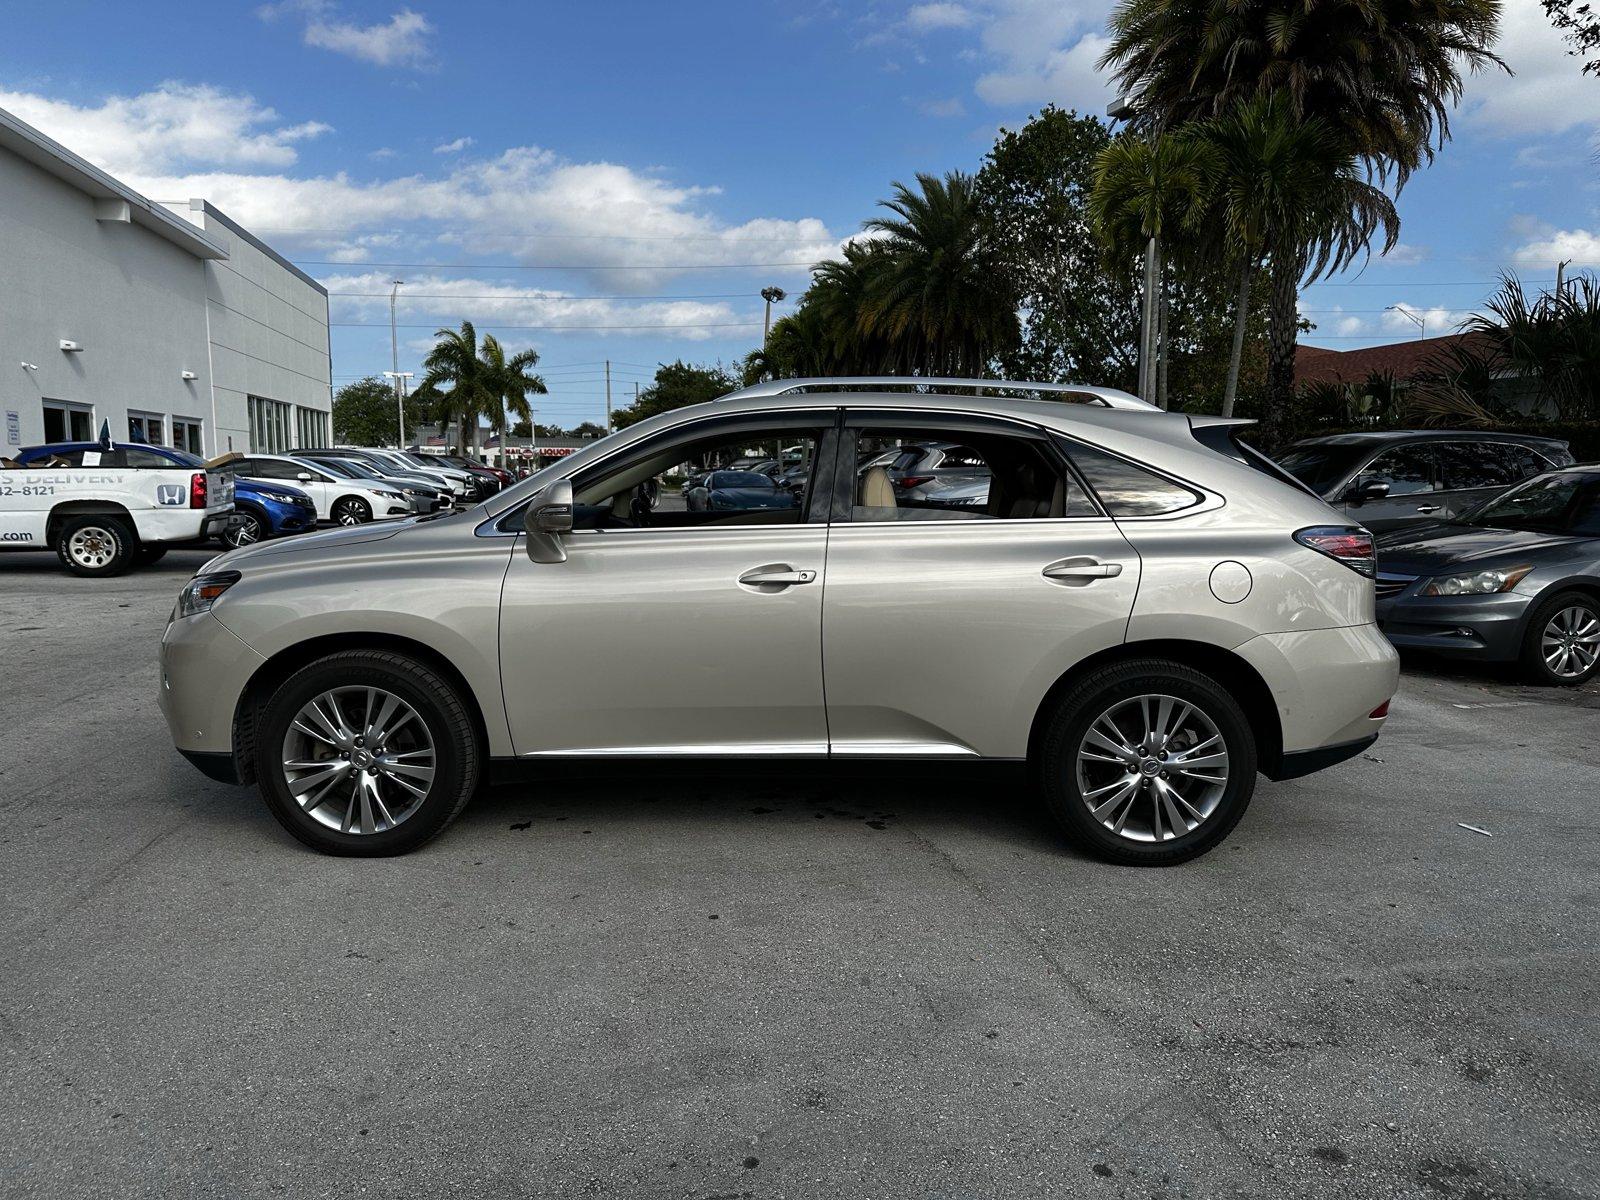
567	328
544	296
438	266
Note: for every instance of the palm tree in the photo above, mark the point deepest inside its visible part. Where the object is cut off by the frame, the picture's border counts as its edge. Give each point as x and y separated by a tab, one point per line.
1384	73
1147	190
510	382
1282	185
454	360
933	292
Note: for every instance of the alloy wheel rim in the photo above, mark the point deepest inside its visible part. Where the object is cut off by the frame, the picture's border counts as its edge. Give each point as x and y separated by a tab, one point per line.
349	516
92	546
247	531
1152	768
1571	642
359	760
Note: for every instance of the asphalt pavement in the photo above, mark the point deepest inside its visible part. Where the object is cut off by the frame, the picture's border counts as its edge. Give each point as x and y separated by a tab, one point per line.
764	984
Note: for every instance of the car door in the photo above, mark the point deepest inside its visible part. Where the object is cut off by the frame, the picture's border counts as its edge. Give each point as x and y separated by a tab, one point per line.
943	626
666	630
1411	475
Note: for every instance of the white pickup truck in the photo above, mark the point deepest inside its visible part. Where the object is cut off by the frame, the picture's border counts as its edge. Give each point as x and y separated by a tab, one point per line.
101	515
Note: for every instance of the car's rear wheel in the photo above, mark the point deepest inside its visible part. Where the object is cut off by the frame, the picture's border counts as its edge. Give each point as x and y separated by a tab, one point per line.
1148	762
247	530
366	753
352	510
1561	646
95	545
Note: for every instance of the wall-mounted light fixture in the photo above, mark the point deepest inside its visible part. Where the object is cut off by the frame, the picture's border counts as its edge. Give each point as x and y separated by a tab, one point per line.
28	366
70	347
188	375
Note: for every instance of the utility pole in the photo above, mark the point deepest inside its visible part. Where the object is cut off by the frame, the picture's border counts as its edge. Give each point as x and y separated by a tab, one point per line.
1561	276
1419	321
608	394
770	295
400	378
394	365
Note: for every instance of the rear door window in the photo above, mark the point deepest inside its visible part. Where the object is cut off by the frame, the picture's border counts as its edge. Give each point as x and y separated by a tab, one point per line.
1464	466
1126	489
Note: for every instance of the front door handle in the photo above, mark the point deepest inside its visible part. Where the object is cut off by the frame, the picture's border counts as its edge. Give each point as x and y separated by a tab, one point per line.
1081	570
781	576
1428	508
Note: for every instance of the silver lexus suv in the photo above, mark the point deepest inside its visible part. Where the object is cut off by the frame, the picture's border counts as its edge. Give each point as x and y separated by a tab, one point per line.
1141	608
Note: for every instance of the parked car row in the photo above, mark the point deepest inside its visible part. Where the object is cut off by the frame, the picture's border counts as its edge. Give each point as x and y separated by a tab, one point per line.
267	496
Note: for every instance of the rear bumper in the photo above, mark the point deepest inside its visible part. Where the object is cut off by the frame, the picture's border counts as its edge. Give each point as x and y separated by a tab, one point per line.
1307	762
1482	627
1326	683
220	767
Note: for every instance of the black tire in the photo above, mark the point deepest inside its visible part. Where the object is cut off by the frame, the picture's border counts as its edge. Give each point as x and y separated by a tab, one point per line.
95	545
351	510
458	755
149	555
1098	694
1531	659
250	528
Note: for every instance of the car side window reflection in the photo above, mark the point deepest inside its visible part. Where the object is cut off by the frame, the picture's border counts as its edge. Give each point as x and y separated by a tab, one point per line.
910	474
1407	471
758	478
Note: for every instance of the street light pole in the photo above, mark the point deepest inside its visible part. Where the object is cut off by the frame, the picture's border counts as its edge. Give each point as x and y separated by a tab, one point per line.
771	295
394	365
1419	321
400	388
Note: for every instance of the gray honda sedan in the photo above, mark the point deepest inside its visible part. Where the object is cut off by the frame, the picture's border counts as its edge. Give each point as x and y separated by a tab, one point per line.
1516	580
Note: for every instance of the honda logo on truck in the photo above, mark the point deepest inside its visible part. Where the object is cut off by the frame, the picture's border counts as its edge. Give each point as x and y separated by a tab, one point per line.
171	493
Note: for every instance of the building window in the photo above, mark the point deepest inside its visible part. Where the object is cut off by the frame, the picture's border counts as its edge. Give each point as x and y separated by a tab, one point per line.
187	435
269	425
147	428
68	422
311	427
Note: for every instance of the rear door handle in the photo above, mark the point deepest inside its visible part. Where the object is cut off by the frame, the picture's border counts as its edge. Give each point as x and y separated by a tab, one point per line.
1081	570
781	576
1428	508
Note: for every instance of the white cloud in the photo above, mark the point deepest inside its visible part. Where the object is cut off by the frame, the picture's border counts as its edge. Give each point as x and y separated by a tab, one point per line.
525	204
924	17
402	40
455	147
1030	51
382	152
432	299
1548	93
1404	254
949	107
172	125
1551	246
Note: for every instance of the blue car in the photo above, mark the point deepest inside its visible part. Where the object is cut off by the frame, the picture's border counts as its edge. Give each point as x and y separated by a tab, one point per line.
263	509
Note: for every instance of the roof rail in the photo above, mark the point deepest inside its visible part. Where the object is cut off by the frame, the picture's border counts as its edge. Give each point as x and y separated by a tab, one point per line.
1104	396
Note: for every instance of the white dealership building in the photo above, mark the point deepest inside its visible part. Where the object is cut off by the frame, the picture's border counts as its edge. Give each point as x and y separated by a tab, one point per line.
173	324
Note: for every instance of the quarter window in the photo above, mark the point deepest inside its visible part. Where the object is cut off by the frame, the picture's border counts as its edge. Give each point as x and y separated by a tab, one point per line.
911	474
1126	489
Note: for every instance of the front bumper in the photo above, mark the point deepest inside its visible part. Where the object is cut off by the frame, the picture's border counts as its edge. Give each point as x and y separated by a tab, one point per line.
287	519
204	670
1483	627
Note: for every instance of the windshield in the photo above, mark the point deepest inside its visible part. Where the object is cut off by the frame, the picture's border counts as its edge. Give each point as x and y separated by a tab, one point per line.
1318	467
338	470
741	479
1562	503
357	468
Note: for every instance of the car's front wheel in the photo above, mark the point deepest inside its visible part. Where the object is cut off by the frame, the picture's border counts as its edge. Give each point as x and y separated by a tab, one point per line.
352	510
1148	763
1562	642
366	753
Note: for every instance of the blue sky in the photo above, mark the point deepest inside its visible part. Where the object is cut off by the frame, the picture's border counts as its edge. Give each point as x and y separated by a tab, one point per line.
619	180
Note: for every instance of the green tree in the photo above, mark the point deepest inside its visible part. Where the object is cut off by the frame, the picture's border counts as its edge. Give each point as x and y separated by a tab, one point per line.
509	381
677	385
1079	312
934	290
470	396
587	429
1281	184
365	414
1579	21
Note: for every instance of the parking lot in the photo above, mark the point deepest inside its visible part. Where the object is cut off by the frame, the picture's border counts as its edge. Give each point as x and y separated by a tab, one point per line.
773	984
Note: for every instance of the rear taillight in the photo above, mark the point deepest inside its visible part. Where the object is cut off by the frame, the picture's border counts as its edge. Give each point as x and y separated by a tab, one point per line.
1349	544
197	490
909	481
1381	711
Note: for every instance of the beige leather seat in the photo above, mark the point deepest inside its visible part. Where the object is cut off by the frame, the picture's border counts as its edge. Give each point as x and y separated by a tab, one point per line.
876	490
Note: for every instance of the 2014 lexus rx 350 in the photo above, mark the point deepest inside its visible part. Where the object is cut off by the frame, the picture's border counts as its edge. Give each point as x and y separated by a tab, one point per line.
1145	611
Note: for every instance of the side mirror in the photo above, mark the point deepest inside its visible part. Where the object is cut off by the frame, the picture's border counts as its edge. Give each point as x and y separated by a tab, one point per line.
304	477
549	516
1366	493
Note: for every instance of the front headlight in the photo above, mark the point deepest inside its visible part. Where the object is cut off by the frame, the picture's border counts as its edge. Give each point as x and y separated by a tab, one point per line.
201	592
1477	583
